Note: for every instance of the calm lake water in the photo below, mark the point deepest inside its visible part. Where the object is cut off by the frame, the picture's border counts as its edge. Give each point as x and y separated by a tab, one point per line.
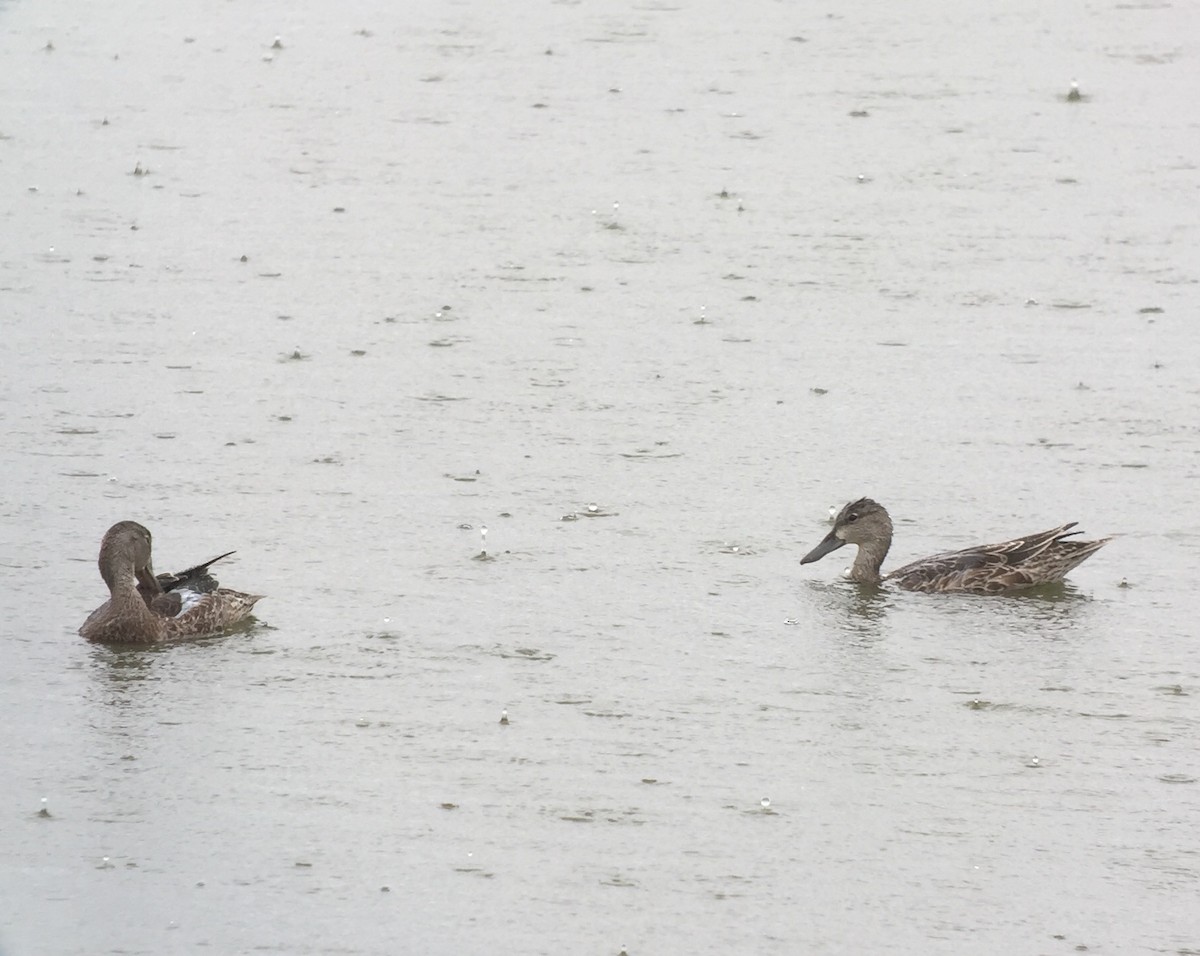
642	289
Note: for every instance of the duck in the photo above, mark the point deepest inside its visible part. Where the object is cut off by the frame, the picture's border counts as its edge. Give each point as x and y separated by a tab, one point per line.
145	608
1042	558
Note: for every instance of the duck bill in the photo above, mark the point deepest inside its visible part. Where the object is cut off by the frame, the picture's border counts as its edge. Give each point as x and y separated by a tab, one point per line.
146	579
831	542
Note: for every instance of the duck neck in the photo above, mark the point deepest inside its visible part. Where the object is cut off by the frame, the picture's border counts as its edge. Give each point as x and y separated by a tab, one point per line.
869	560
121	580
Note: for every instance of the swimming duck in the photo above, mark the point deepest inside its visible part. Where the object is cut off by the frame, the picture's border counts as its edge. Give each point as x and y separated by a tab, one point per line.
1041	558
147	609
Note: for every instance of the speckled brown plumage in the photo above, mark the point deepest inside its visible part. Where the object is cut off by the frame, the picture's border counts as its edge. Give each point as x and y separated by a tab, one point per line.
1042	558
143	608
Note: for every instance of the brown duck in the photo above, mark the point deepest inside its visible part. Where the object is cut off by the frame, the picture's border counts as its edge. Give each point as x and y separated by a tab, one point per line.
1041	558
143	608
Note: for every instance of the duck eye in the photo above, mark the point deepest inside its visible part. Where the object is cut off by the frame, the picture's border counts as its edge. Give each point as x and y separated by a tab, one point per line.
851	518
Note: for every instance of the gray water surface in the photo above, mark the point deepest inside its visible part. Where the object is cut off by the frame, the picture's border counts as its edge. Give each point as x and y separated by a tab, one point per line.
640	289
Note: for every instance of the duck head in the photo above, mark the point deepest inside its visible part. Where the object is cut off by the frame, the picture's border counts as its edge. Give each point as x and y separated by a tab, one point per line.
861	522
125	550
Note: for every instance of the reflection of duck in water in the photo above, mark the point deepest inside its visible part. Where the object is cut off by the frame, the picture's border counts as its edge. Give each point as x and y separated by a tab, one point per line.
1041	558
145	609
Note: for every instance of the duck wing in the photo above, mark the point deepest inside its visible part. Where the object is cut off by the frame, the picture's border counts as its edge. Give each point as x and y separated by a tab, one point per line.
157	592
195	578
1039	558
